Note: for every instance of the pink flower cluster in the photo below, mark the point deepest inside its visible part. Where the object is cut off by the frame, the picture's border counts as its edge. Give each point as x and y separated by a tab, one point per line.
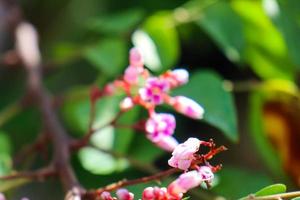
177	188
184	157
149	91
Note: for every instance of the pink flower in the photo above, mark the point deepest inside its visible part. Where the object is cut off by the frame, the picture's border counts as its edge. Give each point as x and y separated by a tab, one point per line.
154	90
206	173
135	58
184	183
188	107
106	196
167	143
155	193
124	194
183	154
160	125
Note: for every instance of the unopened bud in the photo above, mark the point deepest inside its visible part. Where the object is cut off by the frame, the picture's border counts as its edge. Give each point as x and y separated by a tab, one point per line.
167	143
135	58
124	194
126	104
181	76
106	196
184	183
188	107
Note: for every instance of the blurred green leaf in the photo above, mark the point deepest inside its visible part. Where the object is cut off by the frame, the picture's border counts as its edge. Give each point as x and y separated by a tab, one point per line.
287	24
108	56
271	189
5	153
266	51
158	41
144	150
65	51
116	23
230	179
124	136
207	89
98	162
76	112
297	198
225	27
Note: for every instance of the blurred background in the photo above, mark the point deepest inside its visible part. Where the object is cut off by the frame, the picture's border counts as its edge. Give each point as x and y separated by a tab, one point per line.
243	58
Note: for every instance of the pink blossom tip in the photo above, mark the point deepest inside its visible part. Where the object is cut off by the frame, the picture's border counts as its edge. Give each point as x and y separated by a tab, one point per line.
167	143
188	107
181	76
124	194
185	182
106	196
135	58
155	193
131	75
126	104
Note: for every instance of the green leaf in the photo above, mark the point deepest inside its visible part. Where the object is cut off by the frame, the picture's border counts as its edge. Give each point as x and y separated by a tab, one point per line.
286	22
116	23
158	40
266	51
123	137
271	189
5	153
77	111
297	198
108	56
229	179
144	150
207	89
225	27
98	162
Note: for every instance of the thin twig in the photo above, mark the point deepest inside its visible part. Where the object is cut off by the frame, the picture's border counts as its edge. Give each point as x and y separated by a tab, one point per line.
40	174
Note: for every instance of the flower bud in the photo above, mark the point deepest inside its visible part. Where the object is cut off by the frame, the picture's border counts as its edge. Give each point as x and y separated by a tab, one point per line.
155	193
106	196
124	194
131	75
188	107
148	193
167	143
184	183
181	76
126	104
135	58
